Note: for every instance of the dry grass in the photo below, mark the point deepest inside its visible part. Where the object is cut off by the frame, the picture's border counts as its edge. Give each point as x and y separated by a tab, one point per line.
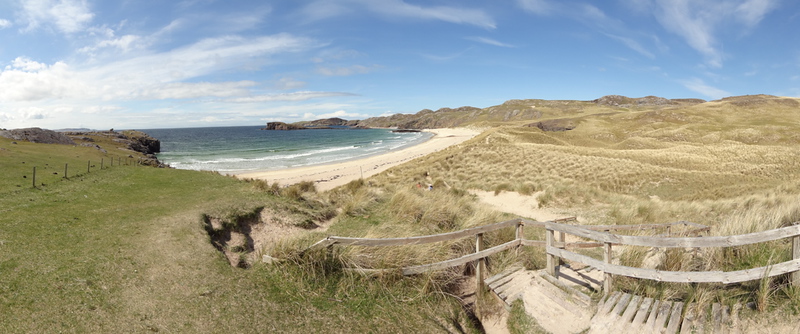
732	165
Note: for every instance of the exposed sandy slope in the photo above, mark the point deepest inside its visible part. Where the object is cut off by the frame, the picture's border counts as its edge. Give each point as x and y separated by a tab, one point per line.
331	176
518	204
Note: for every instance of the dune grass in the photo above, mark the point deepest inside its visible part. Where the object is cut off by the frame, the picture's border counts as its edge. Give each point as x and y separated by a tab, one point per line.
730	164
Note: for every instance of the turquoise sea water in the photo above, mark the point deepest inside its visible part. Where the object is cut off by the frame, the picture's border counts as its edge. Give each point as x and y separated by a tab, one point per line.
232	150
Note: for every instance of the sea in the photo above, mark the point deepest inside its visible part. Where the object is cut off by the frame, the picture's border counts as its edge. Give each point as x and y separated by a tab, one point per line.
240	149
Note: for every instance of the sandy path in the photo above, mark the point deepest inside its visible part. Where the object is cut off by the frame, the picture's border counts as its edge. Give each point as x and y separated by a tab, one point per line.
331	176
512	202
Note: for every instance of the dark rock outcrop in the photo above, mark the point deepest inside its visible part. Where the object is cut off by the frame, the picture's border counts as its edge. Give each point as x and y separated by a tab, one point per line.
37	135
142	142
554	125
326	122
281	126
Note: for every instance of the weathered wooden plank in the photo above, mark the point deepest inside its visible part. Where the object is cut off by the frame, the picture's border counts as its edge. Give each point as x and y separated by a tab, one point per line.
608	303
378	242
681	276
641	314
459	261
582	297
650	325
675	318
573	245
551	260
688	322
630	311
795	277
663	316
621	304
687	242
501	275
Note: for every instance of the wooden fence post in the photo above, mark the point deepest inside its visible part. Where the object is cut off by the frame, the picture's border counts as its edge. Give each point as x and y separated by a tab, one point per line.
88	166
65	171
101	163
520	234
479	265
551	259
607	281
34	176
563	240
795	276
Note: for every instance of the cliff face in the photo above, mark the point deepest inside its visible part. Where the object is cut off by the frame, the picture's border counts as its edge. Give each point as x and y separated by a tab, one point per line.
142	142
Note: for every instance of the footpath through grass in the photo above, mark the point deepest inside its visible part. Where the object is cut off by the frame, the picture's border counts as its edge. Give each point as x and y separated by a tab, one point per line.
123	250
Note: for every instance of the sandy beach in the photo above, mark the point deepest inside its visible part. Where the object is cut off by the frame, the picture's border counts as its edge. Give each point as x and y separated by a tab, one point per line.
330	176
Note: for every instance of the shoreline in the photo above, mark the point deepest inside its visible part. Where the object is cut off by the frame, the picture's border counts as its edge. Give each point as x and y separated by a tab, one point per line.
329	176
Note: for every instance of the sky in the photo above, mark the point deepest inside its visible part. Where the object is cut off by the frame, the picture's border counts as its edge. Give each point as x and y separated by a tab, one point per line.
139	64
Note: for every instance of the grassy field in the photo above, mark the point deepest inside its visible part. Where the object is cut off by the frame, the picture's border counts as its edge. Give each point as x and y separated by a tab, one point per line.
125	248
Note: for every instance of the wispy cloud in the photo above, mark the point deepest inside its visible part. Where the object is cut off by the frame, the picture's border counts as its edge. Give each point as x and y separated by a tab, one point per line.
5	23
592	17
489	41
68	16
541	7
699	86
633	45
294	96
399	9
698	21
346	71
339	113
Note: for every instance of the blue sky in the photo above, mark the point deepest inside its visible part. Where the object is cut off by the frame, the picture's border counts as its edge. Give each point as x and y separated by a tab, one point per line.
194	63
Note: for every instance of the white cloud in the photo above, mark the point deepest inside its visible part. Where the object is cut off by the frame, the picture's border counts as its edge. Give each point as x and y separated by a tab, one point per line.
540	7
5	23
697	85
320	10
123	44
633	45
287	83
190	90
698	21
346	71
339	113
457	15
751	12
138	77
27	80
295	96
68	16
489	41
399	9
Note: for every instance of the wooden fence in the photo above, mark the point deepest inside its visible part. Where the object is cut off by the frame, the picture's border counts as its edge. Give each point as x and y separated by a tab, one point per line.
555	249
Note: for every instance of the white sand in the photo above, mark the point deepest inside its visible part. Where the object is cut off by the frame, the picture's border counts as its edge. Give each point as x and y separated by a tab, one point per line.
331	176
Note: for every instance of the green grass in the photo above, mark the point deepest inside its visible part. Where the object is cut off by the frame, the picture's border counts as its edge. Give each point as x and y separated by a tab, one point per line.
124	250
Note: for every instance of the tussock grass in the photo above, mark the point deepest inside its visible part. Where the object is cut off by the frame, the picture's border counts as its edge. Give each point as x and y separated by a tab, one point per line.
733	167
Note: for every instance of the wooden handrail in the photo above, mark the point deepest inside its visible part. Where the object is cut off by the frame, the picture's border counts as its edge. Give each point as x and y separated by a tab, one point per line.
685	242
379	242
681	276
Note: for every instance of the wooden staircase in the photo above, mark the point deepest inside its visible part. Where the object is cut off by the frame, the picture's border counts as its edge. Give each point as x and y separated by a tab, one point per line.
560	308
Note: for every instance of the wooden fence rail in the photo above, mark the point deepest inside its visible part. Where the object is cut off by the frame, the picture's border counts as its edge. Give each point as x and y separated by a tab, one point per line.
557	251
554	247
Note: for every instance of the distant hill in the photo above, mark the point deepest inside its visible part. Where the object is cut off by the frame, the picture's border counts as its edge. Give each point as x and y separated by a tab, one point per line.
527	111
548	115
